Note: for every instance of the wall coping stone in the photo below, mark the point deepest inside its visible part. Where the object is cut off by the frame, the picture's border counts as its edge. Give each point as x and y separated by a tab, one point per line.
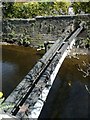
47	17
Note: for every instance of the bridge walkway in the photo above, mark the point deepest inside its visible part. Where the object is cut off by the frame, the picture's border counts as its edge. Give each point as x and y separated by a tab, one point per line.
32	91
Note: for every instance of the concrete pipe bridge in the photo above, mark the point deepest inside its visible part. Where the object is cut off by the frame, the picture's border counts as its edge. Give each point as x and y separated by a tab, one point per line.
28	98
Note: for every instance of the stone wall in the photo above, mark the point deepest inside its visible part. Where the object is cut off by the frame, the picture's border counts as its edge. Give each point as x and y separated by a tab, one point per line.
36	31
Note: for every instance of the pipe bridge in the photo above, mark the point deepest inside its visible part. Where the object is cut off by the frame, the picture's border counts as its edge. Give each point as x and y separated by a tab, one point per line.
28	98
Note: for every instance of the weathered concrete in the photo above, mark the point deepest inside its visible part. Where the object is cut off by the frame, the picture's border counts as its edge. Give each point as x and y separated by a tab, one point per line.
34	88
40	29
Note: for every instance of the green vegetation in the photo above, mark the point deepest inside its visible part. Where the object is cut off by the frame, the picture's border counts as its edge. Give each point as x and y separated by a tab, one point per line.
32	9
3	105
86	41
81	6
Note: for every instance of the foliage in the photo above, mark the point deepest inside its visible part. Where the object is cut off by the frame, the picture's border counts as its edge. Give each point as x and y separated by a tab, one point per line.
87	41
61	7
81	6
7	9
32	9
4	105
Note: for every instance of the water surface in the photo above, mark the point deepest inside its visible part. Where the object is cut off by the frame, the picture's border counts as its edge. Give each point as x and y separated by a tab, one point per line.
16	63
68	97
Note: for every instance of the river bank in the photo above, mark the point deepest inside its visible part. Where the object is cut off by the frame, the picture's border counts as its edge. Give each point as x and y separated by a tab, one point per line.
73	53
78	51
24	45
4	43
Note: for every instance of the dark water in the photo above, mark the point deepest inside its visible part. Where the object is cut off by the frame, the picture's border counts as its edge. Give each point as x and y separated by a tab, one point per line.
68	98
16	63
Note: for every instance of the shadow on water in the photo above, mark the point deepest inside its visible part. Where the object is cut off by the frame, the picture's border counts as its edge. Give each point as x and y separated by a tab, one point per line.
68	97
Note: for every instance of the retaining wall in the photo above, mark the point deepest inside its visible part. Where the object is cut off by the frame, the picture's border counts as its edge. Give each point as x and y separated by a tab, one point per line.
37	30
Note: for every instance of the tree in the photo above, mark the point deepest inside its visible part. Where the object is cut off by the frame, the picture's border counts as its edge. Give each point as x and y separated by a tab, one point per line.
32	9
7	9
81	6
61	7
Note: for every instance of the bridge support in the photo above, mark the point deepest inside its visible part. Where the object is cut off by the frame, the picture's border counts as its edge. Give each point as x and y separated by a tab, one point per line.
46	43
34	88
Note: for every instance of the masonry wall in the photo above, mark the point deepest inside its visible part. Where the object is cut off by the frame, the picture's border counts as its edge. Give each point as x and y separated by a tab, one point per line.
40	29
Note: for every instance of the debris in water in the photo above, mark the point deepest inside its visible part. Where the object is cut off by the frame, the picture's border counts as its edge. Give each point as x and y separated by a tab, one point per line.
87	89
86	71
69	83
84	63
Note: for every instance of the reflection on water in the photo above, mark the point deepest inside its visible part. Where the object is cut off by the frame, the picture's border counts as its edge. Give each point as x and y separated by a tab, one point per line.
69	96
9	73
9	70
16	63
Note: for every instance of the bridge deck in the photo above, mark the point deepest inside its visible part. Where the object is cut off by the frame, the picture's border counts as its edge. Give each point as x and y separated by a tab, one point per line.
34	88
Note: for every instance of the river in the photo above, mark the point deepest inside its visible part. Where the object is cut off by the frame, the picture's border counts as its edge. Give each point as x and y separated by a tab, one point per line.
69	96
16	63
